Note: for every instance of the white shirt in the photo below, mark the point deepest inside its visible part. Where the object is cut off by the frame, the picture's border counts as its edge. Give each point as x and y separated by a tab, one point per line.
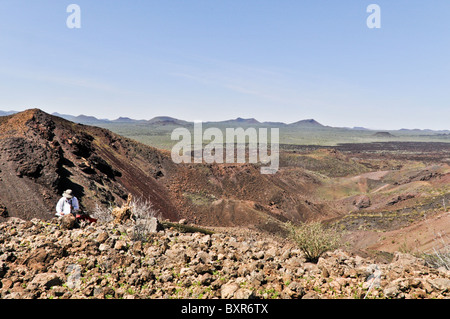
66	206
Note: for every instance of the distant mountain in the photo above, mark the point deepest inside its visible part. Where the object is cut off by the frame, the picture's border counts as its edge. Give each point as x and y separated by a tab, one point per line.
274	123
90	119
6	113
307	123
127	120
360	128
165	120
410	130
416	130
81	119
65	116
383	134
238	121
247	121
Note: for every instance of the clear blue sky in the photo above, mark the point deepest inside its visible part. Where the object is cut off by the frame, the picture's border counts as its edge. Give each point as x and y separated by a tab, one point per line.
274	60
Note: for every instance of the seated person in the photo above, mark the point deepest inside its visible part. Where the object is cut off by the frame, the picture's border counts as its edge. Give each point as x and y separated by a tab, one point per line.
68	204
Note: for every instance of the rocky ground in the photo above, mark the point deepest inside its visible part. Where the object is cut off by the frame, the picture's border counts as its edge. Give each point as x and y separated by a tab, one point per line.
40	259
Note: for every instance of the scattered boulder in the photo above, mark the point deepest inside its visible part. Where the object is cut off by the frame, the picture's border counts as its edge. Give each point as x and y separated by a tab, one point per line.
102	237
68	222
154	225
120	245
311	295
124	213
441	284
400	198
47	280
228	290
362	201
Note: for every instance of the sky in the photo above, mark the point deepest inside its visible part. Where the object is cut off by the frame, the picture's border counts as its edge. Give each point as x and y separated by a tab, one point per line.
212	60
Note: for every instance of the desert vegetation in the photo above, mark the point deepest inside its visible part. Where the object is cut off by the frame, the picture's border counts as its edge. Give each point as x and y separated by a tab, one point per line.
314	239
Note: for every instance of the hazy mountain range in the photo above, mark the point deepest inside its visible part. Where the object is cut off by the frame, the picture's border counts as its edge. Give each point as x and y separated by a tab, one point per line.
167	120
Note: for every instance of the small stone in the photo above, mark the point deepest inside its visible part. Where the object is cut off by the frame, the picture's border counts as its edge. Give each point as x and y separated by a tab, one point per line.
58	291
120	245
103	247
259	254
391	291
243	293
227	291
47	280
286	293
441	284
206	279
204	257
202	269
311	295
102	237
325	273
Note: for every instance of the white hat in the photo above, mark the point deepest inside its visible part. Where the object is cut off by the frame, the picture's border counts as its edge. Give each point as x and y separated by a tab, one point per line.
68	194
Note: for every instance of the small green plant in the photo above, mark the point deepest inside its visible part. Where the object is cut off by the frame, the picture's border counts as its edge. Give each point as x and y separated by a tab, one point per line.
314	239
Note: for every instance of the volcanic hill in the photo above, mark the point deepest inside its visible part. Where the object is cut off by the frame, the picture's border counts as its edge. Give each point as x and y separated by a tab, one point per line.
42	155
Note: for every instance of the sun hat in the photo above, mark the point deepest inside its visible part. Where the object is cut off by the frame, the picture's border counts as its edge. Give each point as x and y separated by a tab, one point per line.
68	194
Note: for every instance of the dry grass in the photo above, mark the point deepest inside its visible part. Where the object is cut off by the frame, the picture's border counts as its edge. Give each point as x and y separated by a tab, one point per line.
440	257
142	213
103	214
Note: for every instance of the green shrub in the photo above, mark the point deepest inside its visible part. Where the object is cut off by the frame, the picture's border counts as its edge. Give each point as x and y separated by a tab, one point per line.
314	239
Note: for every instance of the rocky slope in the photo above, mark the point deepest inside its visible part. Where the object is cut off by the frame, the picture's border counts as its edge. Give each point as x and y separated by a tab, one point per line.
39	259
